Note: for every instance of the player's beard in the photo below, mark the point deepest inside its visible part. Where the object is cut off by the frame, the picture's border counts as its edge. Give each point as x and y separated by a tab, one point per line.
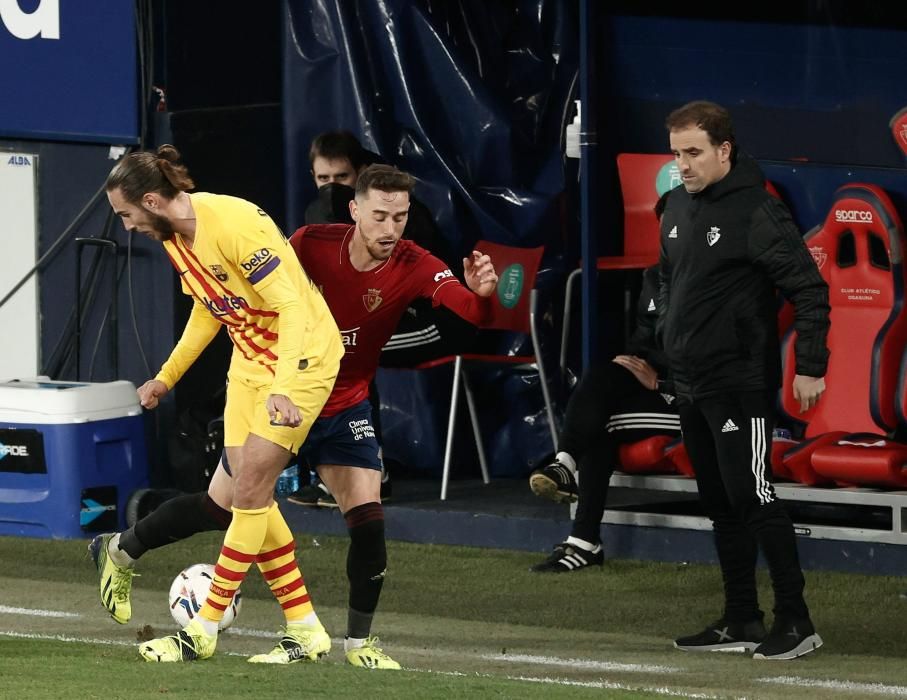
375	250
161	227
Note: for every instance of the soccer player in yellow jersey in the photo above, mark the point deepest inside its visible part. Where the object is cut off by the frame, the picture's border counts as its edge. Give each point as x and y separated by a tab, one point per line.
234	261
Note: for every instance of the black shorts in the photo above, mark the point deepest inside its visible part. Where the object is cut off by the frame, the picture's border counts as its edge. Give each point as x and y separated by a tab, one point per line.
346	439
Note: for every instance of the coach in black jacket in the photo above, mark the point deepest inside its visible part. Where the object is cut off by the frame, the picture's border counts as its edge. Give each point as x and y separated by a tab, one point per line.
727	245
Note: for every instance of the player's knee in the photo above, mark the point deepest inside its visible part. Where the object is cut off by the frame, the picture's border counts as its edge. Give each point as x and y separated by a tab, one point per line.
367	556
218	518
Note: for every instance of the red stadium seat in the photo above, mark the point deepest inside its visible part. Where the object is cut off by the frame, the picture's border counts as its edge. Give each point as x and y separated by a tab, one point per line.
867	458
649	456
792	460
677	453
639	184
858	250
863	459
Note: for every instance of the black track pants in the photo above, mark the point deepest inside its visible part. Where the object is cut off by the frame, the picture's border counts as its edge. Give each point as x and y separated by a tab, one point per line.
728	438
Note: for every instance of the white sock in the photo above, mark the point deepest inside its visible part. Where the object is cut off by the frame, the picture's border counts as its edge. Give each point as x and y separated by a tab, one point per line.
310	620
568	461
209	626
582	544
119	556
352	643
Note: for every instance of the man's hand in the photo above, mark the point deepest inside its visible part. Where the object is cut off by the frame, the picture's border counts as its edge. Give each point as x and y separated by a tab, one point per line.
807	391
480	274
151	392
280	405
641	369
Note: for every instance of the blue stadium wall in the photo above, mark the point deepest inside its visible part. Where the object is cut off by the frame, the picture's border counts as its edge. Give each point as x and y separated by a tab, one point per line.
812	87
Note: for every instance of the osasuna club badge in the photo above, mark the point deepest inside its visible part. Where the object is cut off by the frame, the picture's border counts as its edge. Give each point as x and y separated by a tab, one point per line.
372	299
713	235
819	255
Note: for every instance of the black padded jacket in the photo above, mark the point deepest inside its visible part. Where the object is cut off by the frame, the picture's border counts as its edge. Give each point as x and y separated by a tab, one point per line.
642	343
725	252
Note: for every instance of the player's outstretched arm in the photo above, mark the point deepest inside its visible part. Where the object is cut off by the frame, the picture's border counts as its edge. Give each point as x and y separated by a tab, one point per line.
479	273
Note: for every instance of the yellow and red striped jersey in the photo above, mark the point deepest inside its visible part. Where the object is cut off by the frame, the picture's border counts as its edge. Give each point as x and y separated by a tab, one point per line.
244	275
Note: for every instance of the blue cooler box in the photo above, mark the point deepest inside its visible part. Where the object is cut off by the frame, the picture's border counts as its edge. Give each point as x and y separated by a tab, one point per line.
71	455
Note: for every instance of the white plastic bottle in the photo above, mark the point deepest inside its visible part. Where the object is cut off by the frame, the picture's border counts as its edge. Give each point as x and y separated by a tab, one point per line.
573	130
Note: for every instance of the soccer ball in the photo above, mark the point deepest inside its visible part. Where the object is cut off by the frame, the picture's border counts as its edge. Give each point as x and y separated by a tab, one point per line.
188	592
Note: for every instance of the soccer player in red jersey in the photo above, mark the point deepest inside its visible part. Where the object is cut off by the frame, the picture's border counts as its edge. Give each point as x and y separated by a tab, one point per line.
368	276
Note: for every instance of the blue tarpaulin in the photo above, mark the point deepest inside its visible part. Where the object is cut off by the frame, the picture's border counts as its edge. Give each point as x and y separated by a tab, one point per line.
469	97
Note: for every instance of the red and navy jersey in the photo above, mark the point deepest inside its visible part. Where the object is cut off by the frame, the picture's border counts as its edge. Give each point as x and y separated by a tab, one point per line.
368	305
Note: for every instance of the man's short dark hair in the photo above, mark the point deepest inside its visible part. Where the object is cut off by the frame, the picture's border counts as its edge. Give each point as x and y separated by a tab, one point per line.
385	178
712	118
334	145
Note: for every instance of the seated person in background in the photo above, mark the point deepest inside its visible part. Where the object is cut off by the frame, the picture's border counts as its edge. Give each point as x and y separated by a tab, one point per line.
424	333
617	403
337	158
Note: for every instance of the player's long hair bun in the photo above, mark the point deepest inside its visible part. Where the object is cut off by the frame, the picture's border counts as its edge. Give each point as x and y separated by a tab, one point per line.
142	172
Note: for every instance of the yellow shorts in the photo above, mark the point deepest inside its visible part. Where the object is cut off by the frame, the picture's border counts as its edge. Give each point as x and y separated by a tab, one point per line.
246	412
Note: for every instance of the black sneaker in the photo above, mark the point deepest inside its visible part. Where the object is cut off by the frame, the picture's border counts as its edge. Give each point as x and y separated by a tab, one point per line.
723	635
554	482
326	499
567	557
788	640
312	495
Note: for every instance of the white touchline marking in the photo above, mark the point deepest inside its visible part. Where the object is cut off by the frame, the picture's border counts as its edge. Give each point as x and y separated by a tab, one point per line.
581	663
611	685
36	613
877	688
233	631
65	638
262	634
246	632
83	640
